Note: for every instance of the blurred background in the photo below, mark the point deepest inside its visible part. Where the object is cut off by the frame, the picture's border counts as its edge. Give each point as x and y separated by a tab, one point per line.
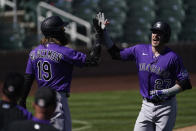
130	21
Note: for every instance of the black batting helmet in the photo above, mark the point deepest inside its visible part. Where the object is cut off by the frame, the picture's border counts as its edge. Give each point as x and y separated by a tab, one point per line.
52	26
162	27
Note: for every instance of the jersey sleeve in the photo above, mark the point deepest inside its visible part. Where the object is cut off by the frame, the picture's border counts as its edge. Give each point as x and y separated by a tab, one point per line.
181	72
74	57
128	53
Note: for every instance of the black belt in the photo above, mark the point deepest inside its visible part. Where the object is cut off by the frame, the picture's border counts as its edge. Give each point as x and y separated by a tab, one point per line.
157	101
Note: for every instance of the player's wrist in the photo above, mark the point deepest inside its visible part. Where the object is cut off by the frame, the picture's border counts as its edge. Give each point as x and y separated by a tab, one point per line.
165	92
98	30
107	40
173	90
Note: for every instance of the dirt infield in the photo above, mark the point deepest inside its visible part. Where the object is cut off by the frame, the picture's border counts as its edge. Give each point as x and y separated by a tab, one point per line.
190	128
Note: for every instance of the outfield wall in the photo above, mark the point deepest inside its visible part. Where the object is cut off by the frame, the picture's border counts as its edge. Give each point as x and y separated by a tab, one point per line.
16	61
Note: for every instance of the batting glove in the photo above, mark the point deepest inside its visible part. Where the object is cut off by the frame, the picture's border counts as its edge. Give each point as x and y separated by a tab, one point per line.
156	92
161	94
100	22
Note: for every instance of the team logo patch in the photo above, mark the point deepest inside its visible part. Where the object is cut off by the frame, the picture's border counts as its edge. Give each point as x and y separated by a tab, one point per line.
36	126
5	106
158	25
11	88
185	73
144	53
41	102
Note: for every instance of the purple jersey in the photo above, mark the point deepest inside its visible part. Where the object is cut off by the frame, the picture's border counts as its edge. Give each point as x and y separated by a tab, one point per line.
52	65
155	72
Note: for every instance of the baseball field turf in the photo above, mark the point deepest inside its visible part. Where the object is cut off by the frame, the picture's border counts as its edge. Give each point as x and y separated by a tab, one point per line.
118	110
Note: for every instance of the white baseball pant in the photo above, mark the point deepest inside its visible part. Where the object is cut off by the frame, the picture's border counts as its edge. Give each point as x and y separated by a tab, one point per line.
62	117
157	117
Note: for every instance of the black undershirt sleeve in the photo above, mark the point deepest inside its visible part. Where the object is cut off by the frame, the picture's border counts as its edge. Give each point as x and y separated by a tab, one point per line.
115	52
93	58
29	78
185	84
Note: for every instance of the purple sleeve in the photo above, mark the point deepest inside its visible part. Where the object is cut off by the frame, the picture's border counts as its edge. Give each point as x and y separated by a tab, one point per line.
75	57
29	68
26	114
180	71
128	53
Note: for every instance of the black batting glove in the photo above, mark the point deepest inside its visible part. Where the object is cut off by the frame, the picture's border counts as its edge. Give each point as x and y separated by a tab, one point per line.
96	26
96	50
93	58
99	22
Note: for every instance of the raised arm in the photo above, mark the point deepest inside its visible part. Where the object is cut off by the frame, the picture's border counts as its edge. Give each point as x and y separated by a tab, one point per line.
93	58
102	36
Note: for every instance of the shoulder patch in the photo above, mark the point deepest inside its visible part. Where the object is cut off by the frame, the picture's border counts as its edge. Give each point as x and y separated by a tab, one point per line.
37	126
6	106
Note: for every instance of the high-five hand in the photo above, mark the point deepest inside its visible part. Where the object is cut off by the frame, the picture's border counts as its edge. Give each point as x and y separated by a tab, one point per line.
100	22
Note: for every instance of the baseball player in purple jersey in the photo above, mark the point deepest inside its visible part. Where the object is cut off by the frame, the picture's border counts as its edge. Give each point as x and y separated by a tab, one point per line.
158	69
51	63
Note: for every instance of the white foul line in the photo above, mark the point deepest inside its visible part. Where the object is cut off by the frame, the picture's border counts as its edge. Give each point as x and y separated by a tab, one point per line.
86	125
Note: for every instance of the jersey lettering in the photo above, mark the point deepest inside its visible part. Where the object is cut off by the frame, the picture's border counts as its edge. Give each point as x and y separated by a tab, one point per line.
153	69
162	84
44	70
48	54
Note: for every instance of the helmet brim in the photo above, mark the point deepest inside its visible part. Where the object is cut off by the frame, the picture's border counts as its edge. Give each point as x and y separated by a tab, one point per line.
157	29
65	23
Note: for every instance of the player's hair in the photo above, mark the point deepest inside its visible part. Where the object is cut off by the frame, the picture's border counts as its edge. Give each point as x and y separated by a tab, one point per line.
45	40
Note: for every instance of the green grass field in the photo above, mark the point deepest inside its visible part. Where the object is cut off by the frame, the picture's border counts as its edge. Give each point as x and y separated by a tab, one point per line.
118	110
